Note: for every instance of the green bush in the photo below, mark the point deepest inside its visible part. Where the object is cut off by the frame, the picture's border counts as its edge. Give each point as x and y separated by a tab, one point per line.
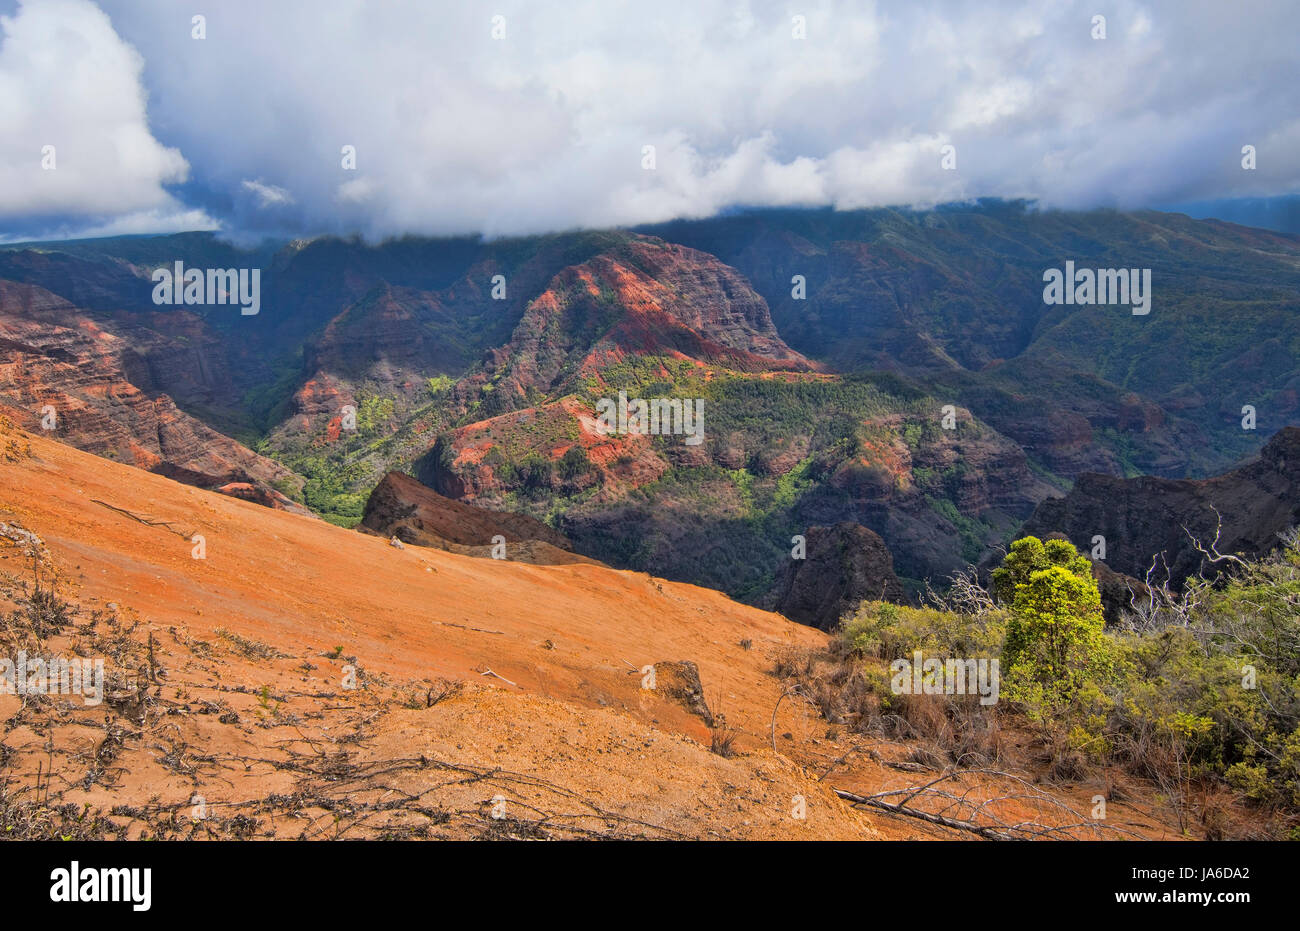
1212	699
891	631
1029	555
1054	643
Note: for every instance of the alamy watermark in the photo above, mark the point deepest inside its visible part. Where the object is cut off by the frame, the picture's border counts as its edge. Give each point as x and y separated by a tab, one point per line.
920	676
657	417
57	675
1099	286
181	285
76	883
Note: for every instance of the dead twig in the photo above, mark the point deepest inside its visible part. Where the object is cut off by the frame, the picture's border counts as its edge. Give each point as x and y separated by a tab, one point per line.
489	672
148	522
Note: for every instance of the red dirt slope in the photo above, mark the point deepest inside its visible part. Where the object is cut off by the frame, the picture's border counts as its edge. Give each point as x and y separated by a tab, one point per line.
303	680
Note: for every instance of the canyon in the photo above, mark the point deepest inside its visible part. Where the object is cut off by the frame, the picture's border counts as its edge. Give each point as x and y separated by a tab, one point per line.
824	400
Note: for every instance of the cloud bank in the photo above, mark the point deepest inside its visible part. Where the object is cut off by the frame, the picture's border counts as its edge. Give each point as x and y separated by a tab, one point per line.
527	117
74	135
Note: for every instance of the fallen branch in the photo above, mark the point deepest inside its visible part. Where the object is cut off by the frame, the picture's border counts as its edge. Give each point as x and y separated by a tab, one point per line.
478	630
166	525
901	809
489	672
997	830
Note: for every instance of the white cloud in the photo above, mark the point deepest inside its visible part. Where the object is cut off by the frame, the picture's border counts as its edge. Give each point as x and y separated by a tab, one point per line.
167	220
457	132
74	134
268	195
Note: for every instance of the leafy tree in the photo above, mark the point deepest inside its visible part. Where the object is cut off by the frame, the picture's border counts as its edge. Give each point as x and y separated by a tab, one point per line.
440	385
1029	555
1055	642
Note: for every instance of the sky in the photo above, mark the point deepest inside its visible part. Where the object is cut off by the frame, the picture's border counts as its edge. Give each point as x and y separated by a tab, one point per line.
527	116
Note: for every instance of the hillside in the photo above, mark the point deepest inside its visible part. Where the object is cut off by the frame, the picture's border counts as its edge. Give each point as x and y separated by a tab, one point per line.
476	680
477	366
954	297
95	383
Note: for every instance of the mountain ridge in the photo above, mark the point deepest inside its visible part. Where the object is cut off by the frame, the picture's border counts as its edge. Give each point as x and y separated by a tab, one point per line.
370	358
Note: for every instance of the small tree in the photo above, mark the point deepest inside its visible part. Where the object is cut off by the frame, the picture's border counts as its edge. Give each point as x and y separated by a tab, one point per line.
1029	555
1054	642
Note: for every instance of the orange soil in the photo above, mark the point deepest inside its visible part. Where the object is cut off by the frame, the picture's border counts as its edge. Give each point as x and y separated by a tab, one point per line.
571	734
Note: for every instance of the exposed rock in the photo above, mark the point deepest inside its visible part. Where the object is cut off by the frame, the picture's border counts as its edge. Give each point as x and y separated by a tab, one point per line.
54	356
843	565
1144	517
259	494
1119	592
645	297
681	683
406	511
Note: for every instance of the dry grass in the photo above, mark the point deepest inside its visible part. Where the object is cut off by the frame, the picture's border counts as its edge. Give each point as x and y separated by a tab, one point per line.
723	743
247	647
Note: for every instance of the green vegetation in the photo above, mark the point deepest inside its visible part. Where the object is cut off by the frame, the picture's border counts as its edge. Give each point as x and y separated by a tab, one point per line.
884	630
373	413
341	466
440	385
1198	694
1054	645
327	490
778	454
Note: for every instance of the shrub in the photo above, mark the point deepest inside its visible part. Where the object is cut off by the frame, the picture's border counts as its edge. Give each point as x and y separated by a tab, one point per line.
1029	555
1206	703
1054	633
891	631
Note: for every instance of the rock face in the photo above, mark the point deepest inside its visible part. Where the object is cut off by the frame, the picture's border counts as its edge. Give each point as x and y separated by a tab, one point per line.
402	508
1144	517
680	681
1119	592
100	389
844	565
643	297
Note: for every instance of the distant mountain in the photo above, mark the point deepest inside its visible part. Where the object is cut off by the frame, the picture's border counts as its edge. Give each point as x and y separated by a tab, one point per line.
954	298
785	444
891	369
1271	213
94	382
1159	521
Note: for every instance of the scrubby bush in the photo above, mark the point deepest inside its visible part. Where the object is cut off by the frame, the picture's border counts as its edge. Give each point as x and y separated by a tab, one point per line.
1201	707
890	631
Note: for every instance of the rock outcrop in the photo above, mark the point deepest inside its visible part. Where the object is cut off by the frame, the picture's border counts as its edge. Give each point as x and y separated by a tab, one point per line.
403	509
1142	518
843	565
643	297
70	372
